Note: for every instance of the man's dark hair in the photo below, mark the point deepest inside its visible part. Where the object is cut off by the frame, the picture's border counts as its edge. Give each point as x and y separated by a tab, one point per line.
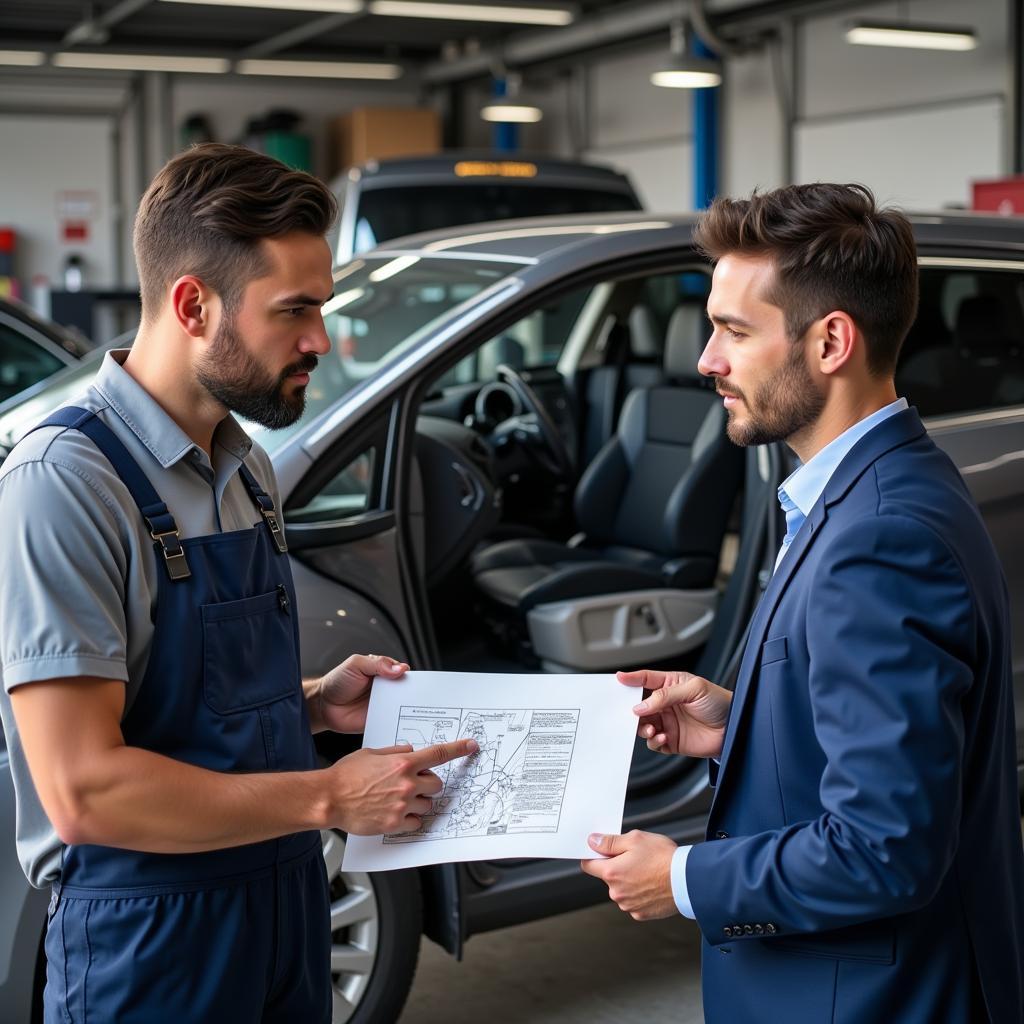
208	209
832	249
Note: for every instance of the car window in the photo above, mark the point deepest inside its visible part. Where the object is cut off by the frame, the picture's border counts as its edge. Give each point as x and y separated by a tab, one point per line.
535	341
22	362
347	493
965	351
387	213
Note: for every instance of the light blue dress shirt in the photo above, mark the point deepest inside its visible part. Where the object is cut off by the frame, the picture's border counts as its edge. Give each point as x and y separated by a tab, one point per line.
798	494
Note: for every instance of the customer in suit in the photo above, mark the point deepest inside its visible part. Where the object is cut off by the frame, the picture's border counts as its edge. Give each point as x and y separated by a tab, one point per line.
864	860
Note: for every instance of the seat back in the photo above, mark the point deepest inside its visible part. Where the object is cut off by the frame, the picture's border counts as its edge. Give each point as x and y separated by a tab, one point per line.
666	481
636	350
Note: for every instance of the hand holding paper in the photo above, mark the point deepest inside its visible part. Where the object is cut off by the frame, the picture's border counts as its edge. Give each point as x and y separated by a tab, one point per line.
552	765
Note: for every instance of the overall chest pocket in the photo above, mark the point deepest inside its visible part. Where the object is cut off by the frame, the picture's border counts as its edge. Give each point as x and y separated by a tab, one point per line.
249	655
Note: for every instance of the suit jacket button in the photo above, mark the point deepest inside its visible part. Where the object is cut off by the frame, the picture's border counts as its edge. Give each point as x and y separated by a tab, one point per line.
770	928
721	835
728	932
748	929
759	929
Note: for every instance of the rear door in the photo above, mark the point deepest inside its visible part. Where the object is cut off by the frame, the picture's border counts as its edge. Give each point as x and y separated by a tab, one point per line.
962	366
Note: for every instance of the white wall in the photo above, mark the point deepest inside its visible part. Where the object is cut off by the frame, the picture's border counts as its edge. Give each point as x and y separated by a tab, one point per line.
642	130
42	160
914	125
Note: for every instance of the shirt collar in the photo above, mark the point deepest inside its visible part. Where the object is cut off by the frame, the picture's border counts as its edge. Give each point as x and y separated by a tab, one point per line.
804	486
149	421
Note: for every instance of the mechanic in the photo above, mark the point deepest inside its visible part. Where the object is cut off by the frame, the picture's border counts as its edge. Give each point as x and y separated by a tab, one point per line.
159	731
864	858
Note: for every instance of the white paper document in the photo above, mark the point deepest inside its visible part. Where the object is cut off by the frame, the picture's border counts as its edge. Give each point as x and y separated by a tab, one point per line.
552	765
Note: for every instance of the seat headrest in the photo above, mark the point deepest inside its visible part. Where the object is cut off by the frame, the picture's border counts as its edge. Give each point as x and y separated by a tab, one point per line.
980	328
644	336
684	343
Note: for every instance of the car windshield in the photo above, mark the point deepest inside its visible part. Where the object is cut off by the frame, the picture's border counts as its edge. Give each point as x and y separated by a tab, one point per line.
382	306
387	213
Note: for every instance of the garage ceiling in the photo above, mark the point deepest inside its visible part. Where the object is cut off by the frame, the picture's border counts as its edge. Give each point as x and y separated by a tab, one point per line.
156	26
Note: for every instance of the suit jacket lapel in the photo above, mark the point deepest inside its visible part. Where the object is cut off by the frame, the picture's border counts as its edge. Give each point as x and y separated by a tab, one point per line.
899	429
760	621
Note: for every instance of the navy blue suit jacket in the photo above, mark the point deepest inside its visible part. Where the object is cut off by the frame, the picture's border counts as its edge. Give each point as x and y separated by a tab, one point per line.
864	859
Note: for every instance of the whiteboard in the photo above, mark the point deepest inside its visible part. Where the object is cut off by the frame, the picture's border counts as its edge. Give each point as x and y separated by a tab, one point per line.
918	159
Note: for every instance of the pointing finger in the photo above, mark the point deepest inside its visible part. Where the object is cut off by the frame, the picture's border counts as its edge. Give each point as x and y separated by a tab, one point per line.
442	753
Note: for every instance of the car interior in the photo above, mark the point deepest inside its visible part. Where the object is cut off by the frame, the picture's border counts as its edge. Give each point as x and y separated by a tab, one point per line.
576	497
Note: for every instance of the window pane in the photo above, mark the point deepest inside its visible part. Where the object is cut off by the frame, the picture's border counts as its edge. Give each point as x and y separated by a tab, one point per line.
22	362
388	213
965	352
346	494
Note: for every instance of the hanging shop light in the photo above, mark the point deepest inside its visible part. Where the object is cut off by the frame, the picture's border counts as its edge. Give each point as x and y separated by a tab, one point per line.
684	70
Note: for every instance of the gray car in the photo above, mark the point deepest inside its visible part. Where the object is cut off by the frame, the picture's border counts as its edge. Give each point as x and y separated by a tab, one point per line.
32	349
508	364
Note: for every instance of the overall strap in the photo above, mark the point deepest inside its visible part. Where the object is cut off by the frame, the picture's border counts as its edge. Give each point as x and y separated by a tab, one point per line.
265	504
159	520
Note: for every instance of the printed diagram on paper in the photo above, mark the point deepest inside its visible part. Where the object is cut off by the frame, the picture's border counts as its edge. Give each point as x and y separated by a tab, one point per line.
514	784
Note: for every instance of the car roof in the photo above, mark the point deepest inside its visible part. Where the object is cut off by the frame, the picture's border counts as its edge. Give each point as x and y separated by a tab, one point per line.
78	345
533	238
536	238
487	165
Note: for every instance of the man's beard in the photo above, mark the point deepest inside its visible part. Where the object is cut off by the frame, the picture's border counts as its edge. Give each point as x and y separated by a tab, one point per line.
232	376
783	404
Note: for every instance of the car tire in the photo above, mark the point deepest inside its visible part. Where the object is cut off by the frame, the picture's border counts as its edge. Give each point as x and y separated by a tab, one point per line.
376	924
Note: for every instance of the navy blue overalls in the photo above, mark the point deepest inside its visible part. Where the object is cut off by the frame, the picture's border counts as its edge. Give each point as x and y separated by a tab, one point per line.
240	934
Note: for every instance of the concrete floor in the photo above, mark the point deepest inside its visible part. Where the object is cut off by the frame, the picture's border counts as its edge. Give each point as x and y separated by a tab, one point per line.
597	966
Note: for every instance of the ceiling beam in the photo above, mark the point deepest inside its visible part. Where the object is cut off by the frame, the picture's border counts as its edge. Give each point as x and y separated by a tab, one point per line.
299	34
610	26
96	31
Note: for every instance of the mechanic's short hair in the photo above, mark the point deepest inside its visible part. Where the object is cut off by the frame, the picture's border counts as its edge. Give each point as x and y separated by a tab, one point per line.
206	213
832	248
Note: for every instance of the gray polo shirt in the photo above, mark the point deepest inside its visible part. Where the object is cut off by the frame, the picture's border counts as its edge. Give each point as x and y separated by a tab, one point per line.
78	574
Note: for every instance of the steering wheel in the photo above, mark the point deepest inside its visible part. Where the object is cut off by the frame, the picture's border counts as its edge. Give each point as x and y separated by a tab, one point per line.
554	452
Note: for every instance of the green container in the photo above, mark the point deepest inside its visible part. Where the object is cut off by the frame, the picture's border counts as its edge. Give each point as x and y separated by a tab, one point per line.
294	150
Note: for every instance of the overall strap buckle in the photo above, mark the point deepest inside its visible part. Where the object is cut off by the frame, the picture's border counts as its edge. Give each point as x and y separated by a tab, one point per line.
269	513
164	532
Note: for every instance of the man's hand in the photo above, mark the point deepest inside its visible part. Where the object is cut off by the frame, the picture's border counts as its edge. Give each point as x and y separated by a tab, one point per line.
637	870
338	701
685	714
388	789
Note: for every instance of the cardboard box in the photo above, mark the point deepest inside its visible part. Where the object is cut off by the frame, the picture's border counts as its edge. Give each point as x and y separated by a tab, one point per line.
376	133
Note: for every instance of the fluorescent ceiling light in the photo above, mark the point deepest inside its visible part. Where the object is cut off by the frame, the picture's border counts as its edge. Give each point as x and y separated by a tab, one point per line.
319	69
678	79
917	37
393	267
511	113
473	12
314	6
140	62
22	58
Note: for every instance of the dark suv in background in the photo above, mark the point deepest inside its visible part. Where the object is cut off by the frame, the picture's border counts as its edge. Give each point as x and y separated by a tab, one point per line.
387	199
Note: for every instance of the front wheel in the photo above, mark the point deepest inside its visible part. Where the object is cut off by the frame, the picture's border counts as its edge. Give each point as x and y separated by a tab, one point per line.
376	923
